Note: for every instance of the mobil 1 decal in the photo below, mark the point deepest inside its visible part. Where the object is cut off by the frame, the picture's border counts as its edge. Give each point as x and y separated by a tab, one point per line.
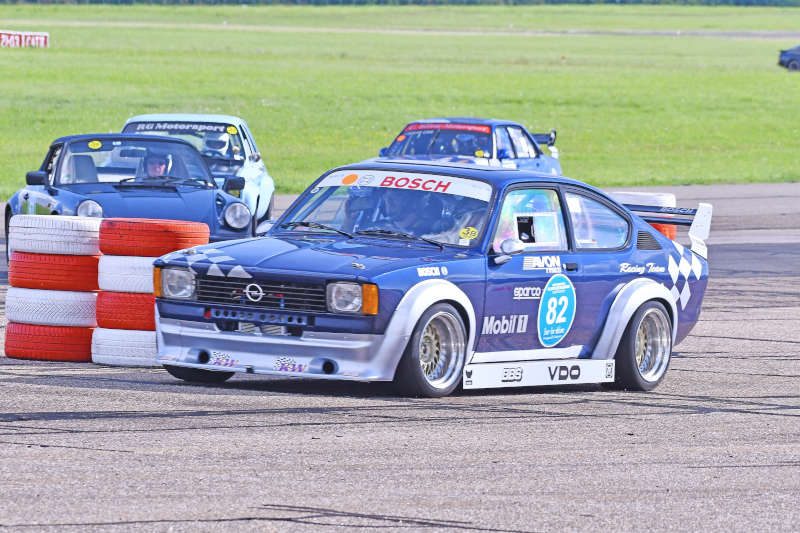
556	310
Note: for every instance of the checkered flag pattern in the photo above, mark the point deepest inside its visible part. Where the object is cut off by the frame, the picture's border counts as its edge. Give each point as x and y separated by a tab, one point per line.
680	270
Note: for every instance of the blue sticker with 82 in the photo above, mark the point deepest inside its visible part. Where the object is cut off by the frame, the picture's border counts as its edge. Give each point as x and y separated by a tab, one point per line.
556	310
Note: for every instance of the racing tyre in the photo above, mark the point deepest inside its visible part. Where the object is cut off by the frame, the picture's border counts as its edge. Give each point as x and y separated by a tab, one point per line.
197	375
120	347
48	343
433	361
644	352
126	310
122	273
53	272
54	234
51	308
149	237
794	65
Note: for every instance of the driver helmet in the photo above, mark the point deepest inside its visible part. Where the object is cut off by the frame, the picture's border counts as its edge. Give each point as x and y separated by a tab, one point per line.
216	143
157	159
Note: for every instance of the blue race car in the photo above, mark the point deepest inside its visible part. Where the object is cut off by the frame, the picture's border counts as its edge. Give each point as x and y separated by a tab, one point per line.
227	146
116	175
489	142
790	59
435	276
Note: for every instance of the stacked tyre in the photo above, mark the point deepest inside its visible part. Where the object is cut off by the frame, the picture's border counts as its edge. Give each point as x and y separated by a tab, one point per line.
126	335
52	273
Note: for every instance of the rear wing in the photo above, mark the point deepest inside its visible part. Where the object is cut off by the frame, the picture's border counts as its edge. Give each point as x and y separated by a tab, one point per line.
698	220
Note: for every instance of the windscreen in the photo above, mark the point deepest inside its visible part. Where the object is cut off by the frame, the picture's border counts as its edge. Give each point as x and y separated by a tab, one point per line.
443	140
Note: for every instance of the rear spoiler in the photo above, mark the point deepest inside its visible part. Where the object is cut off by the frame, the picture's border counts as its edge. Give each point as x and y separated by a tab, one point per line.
698	220
545	138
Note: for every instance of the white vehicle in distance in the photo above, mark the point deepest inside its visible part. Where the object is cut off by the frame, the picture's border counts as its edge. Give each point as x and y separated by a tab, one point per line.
227	146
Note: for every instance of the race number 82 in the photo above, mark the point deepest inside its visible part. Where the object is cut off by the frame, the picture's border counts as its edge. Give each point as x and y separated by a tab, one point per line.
556	310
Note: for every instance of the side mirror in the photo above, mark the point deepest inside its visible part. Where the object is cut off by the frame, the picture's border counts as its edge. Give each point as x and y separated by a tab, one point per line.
36	177
233	183
264	227
255	157
503	153
383	151
508	248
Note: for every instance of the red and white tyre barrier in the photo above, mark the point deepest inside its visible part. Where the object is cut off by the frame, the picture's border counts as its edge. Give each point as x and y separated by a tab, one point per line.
126	310
49	343
53	272
123	273
149	237
54	234
124	347
51	308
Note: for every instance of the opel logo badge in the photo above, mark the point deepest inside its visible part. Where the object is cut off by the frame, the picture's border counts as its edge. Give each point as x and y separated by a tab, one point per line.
254	292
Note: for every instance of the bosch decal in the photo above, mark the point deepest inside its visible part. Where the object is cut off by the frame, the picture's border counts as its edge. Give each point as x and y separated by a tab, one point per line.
426	272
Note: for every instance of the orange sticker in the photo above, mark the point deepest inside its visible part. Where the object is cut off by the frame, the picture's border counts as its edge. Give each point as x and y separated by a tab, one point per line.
401	138
349	179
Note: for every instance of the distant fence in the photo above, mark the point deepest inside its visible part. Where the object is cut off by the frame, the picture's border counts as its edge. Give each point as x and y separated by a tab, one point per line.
774	3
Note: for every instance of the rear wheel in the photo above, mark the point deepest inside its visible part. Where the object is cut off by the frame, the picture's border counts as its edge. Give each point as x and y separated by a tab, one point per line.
644	352
434	358
793	65
197	375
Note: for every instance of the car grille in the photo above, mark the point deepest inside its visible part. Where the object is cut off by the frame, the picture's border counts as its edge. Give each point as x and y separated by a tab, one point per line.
274	294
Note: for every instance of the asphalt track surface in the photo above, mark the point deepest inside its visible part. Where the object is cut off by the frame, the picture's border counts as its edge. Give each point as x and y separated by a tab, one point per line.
715	447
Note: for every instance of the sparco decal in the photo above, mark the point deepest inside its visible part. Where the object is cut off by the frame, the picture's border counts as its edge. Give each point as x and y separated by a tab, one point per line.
650	268
549	263
527	293
564	373
505	324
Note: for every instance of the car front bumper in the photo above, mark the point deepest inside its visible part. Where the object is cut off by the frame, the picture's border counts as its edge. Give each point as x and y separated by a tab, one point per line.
319	355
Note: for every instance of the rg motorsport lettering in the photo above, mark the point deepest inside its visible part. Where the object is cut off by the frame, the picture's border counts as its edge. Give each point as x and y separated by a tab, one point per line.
448	126
504	324
549	263
564	373
415	183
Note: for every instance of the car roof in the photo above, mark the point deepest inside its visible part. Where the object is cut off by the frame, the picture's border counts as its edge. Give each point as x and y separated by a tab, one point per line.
120	136
466	120
497	176
185	117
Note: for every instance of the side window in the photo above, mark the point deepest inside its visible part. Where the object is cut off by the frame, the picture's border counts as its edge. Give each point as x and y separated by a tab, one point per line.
533	217
52	159
522	144
503	142
594	224
249	138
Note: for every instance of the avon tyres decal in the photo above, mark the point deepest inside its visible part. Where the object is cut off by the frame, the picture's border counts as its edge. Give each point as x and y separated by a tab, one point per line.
556	311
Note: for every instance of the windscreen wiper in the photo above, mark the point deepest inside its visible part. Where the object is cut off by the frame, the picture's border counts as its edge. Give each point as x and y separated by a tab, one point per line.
314	225
398	234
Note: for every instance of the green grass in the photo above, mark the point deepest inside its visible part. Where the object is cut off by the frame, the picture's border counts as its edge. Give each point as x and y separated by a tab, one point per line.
629	109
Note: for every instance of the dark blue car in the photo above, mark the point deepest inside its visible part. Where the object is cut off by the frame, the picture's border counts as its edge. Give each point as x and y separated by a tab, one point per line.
480	141
435	276
118	175
790	58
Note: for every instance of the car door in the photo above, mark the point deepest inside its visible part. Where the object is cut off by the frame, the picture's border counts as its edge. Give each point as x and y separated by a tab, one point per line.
531	296
601	236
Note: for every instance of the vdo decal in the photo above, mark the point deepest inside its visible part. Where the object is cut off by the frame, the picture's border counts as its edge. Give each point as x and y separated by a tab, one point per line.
556	310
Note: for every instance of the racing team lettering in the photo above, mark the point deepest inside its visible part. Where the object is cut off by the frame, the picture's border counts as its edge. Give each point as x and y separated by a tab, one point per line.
415	183
650	268
510	324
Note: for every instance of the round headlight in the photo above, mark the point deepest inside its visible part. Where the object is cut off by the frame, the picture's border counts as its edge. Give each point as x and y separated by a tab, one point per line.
177	283
89	208
237	215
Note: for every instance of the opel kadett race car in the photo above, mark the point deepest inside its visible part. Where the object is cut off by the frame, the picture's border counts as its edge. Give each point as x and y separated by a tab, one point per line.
480	141
227	146
435	276
117	175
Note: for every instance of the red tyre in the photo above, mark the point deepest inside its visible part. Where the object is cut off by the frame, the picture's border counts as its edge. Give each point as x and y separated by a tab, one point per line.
53	272
149	237
126	310
48	343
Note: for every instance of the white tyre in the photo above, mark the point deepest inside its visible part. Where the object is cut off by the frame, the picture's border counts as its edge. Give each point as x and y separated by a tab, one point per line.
51	308
126	273
124	347
54	234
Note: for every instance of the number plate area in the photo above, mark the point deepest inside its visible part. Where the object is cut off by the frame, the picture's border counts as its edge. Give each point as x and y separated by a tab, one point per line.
538	373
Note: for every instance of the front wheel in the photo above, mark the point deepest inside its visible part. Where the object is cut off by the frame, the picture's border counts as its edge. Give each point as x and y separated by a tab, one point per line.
197	375
434	358
644	352
794	65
